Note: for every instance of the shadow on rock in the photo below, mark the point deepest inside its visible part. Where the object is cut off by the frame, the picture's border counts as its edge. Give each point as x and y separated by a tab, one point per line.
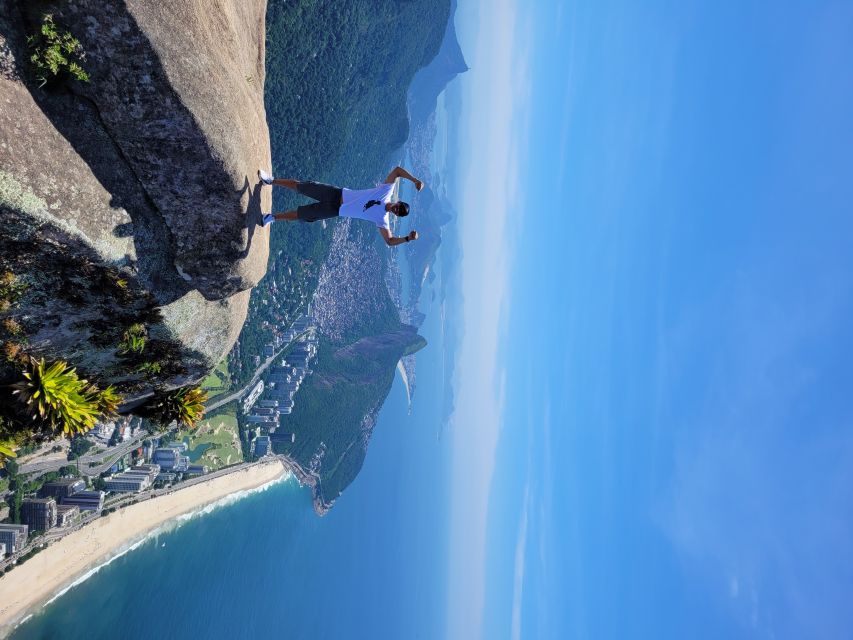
254	212
144	146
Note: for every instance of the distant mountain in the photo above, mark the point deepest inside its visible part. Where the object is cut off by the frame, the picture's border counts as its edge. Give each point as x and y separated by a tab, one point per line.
435	212
430	81
440	217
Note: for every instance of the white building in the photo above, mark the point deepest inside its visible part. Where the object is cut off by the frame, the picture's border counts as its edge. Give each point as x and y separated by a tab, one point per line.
254	394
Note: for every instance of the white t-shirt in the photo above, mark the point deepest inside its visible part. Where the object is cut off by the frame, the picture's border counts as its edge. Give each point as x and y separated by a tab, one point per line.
356	203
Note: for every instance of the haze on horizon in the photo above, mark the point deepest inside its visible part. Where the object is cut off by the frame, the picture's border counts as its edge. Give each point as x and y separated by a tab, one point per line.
650	409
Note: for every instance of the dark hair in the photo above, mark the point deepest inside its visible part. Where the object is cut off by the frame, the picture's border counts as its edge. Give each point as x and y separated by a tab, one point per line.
404	209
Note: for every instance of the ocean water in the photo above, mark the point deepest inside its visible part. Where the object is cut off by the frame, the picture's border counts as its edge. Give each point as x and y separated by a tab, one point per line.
267	567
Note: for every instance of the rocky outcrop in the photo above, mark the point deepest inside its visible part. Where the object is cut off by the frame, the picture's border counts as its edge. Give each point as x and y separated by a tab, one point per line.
383	349
133	197
338	407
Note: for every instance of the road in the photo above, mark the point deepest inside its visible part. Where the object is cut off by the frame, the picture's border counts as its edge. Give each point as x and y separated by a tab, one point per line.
112	454
106	459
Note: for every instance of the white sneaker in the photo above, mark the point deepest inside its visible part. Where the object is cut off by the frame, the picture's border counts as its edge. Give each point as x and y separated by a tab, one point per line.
265	177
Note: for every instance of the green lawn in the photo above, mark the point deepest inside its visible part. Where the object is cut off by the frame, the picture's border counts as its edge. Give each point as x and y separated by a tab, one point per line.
219	379
222	433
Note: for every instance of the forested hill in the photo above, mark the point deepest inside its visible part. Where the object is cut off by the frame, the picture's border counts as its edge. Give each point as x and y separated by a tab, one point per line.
338	73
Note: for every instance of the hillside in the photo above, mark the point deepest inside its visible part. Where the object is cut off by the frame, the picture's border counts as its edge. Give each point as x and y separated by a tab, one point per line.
337	409
361	340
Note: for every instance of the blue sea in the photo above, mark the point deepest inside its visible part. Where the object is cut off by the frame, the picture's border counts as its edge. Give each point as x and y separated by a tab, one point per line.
267	566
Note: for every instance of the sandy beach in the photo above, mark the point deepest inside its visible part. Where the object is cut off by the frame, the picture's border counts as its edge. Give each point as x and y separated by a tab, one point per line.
24	589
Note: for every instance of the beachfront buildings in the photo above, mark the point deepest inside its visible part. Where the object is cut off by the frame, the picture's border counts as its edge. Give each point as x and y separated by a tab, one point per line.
39	514
14	536
150	470
62	488
71	492
282	438
128	482
170	459
67	514
261	445
85	500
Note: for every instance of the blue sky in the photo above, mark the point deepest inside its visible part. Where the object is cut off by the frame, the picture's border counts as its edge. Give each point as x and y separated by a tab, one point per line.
652	436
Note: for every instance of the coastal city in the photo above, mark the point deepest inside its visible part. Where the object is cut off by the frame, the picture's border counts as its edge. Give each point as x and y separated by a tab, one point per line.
66	484
51	492
62	487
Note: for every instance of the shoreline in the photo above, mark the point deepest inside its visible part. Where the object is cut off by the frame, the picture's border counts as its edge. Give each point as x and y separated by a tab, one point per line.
48	574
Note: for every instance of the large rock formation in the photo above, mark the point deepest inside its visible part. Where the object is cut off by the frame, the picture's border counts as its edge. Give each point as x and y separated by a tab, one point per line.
136	190
384	348
338	407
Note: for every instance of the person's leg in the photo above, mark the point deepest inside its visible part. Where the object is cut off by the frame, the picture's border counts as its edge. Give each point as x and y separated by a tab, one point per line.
287	215
268	179
269	218
315	190
286	182
306	213
319	191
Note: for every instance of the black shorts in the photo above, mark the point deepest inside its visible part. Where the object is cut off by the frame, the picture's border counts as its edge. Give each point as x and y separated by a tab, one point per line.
328	201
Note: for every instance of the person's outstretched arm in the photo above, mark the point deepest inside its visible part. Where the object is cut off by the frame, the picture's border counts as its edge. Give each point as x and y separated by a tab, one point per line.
400	172
393	241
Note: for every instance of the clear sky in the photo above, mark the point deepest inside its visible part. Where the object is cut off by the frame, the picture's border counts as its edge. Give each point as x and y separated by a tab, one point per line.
652	436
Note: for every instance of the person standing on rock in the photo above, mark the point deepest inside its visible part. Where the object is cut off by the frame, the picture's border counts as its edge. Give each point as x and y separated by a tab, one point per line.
366	204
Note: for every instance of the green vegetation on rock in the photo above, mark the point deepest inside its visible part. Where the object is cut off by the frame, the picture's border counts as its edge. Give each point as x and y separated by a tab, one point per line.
6	451
133	340
184	406
56	53
55	394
